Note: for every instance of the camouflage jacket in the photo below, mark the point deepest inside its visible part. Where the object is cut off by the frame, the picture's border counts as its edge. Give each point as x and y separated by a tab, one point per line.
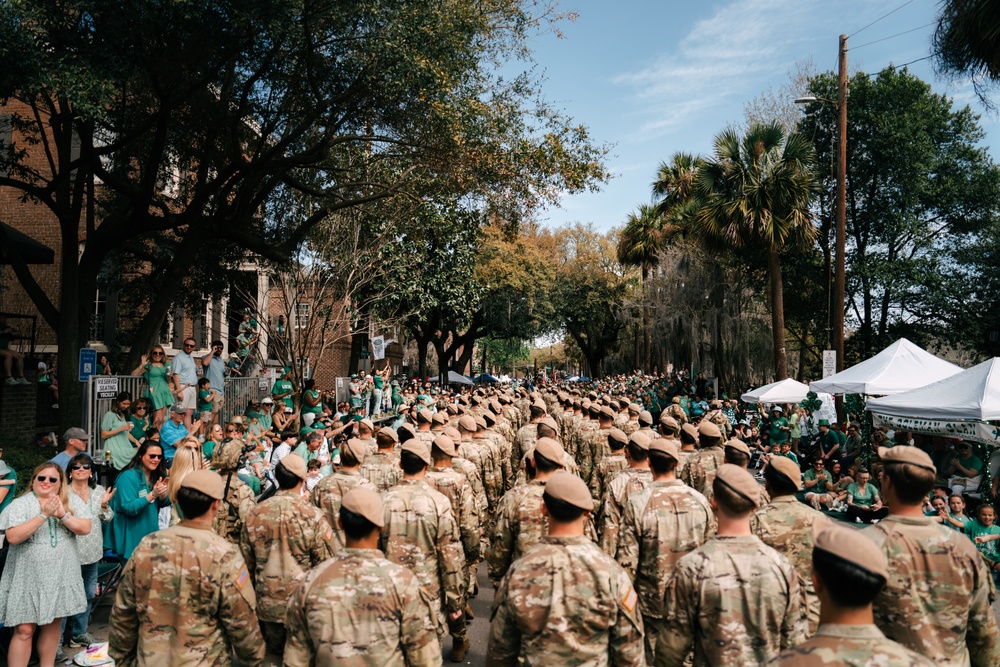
629	426
233	511
592	447
736	600
610	465
456	488
938	598
519	525
382	470
566	603
359	609
623	485
523	441
660	524
185	598
421	533
471	473
283	538
789	526
699	473
480	453
849	646
328	494
721	420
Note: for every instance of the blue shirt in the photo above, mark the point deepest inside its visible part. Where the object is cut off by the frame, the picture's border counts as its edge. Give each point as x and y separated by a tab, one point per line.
184	368
216	374
171	434
61	459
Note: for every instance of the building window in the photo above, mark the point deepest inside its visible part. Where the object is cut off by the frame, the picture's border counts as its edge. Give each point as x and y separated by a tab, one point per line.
177	332
302	363
302	311
199	326
6	142
96	329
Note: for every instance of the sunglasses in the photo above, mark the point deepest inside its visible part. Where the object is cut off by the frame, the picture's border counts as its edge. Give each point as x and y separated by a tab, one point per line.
140	408
155	456
187	345
81	466
231	430
157	354
45	478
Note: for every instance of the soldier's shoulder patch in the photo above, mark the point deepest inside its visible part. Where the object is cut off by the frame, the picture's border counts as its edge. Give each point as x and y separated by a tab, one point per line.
630	599
328	533
242	577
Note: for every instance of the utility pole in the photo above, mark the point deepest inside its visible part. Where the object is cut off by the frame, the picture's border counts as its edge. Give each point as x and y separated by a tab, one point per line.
839	278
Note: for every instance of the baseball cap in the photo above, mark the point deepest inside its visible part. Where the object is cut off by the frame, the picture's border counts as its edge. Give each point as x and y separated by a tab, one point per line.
75	433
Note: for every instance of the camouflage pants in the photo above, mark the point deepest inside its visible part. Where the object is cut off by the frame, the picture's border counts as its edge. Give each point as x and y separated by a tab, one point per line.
457	629
274	637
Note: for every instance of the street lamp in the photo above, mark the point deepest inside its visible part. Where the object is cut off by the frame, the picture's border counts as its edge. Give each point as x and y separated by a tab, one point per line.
838	288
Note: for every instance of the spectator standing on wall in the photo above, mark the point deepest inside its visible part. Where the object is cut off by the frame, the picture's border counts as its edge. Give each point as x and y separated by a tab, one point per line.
186	381
213	368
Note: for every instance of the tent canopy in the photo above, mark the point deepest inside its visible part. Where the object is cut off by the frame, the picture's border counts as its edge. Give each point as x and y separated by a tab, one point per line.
486	377
971	394
783	391
458	378
900	367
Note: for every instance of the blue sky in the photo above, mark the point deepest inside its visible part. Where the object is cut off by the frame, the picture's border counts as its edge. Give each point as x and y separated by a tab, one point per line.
653	78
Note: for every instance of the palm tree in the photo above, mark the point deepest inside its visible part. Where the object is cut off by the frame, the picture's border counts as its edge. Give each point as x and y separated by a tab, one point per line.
673	187
755	191
965	43
639	244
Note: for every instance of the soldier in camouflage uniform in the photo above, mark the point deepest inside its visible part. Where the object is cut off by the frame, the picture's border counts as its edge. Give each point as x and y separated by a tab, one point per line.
424	422
610	465
700	470
382	467
717	417
421	533
646	425
239	498
937	600
849	571
789	526
185	596
631	422
527	434
455	487
565	602
688	437
490	448
480	454
520	523
629	481
592	445
283	538
366	434
660	524
734	600
676	411
359	608
331	489
502	451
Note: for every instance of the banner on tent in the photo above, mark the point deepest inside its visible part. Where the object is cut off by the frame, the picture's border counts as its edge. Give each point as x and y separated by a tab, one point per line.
966	430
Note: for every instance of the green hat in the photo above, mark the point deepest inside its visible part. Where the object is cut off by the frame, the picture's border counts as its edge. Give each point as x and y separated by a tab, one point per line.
286	370
824	422
252	414
305	430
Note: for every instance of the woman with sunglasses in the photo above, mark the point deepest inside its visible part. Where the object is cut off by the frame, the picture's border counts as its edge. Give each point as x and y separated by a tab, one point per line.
158	374
115	430
140	492
91	545
139	417
41	582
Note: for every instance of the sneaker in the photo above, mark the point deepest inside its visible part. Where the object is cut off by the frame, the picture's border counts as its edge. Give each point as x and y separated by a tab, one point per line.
10	382
61	657
22	381
82	641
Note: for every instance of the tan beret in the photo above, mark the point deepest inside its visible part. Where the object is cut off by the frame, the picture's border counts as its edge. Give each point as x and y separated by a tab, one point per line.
740	446
480	423
788	468
467	423
452	410
368	423
639	439
418	447
852	546
709	430
495	406
207	482
690	430
365	502
740	482
585	404
614	405
646	418
391	432
618	435
425	415
635	407
357	448
716	404
540	404
550	422
607	412
570	489
676	400
550	449
295	464
669	421
665	446
408	427
906	454
452	433
445	444
439	418
489	418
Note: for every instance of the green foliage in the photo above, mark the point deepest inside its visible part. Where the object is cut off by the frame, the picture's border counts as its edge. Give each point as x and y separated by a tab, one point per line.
965	43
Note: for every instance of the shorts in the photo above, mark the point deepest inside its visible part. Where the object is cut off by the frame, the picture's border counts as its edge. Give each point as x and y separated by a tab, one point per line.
206	415
217	401
308	418
189	398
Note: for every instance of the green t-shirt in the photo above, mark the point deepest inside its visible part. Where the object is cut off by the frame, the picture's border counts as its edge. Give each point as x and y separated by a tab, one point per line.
778	435
972	463
314	409
281	387
811	475
379	382
790	455
990	550
205	400
863	499
11	475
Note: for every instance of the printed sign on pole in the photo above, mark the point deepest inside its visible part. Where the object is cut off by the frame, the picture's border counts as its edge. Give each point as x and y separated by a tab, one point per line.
106	387
829	363
378	348
88	363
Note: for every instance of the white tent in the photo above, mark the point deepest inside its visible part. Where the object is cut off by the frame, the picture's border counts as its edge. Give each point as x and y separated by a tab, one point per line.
458	378
784	391
972	394
900	367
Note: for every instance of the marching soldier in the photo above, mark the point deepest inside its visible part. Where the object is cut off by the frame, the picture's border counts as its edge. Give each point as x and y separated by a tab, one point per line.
700	470
330	491
610	465
630	480
358	607
185	596
282	539
382	467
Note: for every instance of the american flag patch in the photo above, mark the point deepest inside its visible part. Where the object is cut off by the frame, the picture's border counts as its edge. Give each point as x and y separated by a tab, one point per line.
630	599
243	576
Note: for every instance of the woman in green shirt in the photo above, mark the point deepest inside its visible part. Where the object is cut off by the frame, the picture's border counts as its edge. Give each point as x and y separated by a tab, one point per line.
116	432
139	493
863	502
312	406
966	469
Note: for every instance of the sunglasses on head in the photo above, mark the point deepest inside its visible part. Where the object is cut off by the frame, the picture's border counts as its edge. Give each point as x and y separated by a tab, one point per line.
81	466
155	456
46	478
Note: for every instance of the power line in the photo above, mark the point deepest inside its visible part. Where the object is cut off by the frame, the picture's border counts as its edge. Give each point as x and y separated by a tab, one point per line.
890	66
876	41
882	17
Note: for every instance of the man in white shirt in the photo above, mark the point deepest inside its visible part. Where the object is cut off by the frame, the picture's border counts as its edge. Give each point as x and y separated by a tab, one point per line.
186	381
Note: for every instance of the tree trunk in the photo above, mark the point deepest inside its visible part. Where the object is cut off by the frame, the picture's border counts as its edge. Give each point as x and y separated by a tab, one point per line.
438	343
421	358
777	316
645	322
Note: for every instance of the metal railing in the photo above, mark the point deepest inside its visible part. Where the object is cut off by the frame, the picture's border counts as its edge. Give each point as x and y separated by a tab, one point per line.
241	391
